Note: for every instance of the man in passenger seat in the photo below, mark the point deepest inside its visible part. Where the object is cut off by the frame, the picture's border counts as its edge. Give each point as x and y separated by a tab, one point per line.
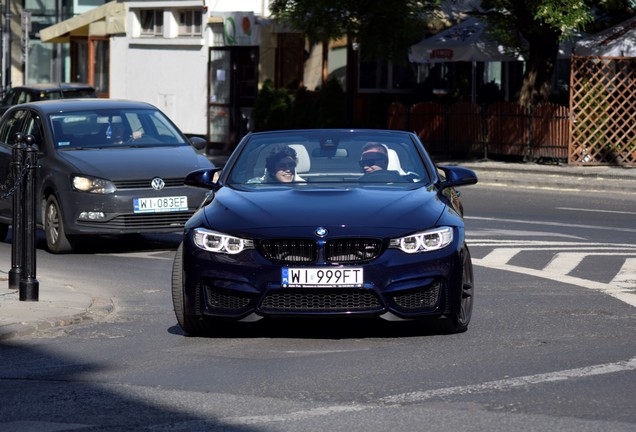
374	157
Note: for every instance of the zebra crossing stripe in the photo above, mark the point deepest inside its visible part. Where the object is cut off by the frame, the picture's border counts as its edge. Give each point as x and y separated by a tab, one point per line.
564	263
624	294
625	279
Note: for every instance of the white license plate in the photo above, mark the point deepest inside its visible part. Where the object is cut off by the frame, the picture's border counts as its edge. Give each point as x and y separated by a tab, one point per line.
343	277
160	204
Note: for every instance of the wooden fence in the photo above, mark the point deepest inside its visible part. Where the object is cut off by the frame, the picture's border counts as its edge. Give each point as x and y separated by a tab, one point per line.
504	128
599	127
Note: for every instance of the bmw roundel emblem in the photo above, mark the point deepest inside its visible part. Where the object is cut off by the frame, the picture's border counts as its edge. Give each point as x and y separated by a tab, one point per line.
321	232
157	183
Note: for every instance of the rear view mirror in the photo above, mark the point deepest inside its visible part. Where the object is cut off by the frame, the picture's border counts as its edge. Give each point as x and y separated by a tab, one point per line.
198	143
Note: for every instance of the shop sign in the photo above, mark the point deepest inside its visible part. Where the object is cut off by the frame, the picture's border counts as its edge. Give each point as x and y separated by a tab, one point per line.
239	28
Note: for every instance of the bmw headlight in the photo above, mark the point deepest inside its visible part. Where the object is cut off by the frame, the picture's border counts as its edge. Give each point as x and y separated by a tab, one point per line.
217	242
93	185
425	241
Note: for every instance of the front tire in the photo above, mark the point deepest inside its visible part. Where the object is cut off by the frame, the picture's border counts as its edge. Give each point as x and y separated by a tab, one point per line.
458	321
56	239
192	326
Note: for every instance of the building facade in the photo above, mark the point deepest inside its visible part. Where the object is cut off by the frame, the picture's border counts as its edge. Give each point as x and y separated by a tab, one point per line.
200	62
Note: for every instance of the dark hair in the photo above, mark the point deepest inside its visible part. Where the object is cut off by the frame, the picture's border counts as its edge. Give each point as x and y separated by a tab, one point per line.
379	152
374	146
278	153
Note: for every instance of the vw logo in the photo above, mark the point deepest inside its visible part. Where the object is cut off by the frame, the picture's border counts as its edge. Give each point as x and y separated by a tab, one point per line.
321	232
157	183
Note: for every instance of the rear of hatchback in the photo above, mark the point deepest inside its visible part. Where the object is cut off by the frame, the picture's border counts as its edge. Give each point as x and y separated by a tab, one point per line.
37	92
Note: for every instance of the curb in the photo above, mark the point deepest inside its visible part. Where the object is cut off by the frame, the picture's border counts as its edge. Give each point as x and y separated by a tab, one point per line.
585	179
98	309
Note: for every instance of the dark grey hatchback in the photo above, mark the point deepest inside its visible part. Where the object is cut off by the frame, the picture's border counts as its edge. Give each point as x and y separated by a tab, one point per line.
106	167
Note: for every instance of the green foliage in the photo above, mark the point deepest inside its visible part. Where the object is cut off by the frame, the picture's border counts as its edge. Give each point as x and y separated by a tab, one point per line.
271	107
303	110
383	29
332	105
278	109
535	27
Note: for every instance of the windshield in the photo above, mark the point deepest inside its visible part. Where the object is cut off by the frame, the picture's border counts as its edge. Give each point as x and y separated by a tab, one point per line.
328	158
113	128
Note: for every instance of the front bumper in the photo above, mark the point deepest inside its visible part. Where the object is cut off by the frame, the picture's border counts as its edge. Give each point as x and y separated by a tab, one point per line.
247	286
118	212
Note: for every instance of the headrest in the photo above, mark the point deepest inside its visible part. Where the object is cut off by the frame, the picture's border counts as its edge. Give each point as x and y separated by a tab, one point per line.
304	163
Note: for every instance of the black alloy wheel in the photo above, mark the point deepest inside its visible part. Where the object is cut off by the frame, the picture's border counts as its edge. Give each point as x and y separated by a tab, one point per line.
192	326
459	320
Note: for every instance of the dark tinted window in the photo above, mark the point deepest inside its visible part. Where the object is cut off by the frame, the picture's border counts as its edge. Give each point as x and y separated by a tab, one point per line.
79	93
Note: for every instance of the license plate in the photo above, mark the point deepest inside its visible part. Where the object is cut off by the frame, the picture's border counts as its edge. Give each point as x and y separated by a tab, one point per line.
160	204
343	277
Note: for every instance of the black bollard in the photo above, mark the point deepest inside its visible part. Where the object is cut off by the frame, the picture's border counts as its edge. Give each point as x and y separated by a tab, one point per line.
17	249
29	285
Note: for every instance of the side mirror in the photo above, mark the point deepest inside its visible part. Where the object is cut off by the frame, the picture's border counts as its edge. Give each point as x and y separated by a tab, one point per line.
203	178
457	176
198	143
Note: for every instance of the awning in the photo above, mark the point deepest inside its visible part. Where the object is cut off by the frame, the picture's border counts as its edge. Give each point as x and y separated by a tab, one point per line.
466	41
617	41
104	20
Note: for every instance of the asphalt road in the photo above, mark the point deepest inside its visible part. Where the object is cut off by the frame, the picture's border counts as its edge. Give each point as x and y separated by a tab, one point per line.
551	345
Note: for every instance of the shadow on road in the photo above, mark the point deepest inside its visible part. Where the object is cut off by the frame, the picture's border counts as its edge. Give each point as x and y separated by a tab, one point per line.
333	329
41	391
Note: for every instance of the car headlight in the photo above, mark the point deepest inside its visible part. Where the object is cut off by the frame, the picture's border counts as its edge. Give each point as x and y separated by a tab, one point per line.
217	242
93	185
425	241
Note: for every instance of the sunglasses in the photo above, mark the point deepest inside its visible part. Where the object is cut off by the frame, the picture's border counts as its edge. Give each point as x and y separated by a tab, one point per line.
379	160
285	166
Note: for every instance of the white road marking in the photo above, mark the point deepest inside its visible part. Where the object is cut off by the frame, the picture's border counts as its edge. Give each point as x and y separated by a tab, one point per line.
500	255
569	256
296	415
626	277
554	244
147	255
564	263
620	293
556	224
510	383
595	210
422	396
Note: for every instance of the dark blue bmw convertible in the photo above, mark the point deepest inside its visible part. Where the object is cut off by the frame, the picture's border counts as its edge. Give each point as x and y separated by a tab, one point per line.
326	223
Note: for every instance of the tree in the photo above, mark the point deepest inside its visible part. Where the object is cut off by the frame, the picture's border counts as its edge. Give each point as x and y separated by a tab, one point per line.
538	26
384	29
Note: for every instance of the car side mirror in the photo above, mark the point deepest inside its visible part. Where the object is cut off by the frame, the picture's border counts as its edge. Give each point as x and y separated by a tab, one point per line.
198	143
457	176
203	178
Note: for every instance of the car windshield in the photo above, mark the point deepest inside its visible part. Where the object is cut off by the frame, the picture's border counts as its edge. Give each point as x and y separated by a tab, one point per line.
328	158
105	128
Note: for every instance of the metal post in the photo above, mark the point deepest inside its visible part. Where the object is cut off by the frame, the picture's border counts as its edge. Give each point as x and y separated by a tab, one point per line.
7	44
17	249
29	285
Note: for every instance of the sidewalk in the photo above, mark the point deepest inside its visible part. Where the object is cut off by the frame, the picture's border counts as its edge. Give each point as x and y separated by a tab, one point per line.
562	177
61	303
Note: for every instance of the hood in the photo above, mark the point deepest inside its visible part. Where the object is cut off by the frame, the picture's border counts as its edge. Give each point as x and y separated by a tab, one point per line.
122	163
292	211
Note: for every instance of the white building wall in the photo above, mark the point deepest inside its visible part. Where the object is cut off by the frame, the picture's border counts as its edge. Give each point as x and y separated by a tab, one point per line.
173	78
170	72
